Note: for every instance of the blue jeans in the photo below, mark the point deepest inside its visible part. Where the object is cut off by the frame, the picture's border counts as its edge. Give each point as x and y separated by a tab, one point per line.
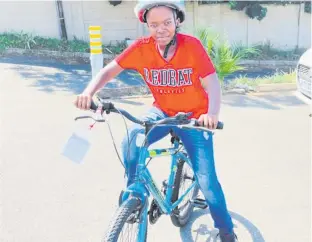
200	150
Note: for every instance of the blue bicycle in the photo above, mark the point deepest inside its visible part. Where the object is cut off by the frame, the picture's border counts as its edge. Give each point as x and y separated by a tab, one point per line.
134	212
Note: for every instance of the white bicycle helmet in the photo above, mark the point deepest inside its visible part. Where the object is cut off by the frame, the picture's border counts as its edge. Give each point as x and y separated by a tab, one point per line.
143	6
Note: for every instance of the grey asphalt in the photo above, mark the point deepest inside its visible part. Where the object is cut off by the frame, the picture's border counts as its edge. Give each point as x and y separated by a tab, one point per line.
78	75
263	161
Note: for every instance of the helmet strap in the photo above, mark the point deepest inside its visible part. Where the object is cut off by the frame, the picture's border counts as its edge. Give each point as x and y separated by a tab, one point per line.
172	42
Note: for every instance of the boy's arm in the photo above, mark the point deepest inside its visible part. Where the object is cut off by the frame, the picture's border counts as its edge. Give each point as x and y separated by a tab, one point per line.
126	60
103	76
212	86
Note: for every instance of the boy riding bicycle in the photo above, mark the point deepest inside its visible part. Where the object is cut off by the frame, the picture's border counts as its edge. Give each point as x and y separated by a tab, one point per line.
181	78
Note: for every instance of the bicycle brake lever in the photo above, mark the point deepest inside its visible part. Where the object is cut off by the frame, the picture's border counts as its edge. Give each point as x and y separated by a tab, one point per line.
95	119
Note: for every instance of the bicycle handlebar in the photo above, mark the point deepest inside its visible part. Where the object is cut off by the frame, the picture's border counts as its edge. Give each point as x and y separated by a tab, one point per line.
109	107
181	119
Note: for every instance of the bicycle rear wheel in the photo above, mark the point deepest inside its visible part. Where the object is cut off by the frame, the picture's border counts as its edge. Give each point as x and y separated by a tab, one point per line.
123	228
183	212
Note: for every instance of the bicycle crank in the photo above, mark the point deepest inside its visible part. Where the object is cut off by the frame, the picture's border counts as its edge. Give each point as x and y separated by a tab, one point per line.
154	213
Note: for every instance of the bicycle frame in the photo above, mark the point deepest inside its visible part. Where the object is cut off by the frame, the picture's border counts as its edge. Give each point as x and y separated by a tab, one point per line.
144	184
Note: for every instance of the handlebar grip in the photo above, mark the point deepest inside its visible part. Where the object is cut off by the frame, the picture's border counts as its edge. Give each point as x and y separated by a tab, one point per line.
219	125
108	106
93	106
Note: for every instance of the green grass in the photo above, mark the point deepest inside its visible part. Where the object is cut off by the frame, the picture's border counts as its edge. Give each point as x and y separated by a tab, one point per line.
28	41
268	52
282	77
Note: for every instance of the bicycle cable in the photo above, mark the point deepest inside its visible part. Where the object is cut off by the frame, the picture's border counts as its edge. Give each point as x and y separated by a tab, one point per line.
178	150
128	138
110	131
132	138
157	124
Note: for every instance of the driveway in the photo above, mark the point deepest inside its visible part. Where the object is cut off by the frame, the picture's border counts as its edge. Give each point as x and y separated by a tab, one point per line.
263	161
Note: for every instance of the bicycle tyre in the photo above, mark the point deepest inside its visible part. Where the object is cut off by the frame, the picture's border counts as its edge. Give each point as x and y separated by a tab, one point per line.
180	218
120	219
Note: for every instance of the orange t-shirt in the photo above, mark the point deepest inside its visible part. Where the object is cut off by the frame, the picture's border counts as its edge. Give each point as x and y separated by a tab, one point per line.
175	84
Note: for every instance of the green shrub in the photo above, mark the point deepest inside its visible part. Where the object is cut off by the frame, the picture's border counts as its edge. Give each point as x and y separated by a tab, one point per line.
224	56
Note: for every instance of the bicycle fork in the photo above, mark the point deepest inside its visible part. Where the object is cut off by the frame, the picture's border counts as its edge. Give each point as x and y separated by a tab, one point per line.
140	216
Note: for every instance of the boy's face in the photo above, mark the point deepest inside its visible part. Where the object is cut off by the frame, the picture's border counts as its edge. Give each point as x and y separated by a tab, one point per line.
162	24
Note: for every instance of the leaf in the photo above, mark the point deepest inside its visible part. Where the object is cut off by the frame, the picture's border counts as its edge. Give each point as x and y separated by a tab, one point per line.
224	56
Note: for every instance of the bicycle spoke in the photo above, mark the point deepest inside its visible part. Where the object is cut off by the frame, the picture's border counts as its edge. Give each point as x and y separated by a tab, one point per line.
129	233
187	177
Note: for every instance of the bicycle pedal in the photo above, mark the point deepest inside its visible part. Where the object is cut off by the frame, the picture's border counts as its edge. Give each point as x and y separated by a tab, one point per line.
186	177
154	212
199	203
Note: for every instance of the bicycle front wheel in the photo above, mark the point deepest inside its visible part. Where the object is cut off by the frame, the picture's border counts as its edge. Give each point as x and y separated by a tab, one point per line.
123	227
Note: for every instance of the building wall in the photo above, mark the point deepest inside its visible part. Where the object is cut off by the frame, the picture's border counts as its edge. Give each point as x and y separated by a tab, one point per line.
280	32
284	32
119	22
305	29
38	17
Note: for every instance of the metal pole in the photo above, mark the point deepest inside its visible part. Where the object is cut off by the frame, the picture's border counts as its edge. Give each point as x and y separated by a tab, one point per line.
96	55
60	12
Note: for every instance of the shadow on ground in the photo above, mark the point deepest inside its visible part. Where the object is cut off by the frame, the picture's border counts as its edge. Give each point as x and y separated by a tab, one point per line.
191	232
273	100
51	76
54	79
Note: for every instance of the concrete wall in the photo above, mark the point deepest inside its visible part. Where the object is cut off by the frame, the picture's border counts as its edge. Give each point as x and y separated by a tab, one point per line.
223	20
81	14
282	32
305	29
38	17
284	27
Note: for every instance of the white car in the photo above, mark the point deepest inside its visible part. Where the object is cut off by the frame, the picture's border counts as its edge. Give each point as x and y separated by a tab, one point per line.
304	76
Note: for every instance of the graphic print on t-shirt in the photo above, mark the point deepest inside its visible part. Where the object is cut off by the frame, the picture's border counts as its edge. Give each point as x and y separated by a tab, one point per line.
177	79
175	85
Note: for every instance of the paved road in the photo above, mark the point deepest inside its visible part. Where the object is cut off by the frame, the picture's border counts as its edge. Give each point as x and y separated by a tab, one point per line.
262	159
76	75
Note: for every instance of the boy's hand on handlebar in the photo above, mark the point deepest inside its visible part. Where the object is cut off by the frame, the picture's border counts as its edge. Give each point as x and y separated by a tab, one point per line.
83	101
209	121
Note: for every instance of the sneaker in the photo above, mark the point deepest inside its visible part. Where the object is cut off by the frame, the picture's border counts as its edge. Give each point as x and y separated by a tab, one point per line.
227	237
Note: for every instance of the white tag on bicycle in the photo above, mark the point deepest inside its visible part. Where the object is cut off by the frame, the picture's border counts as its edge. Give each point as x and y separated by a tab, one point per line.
139	139
77	147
